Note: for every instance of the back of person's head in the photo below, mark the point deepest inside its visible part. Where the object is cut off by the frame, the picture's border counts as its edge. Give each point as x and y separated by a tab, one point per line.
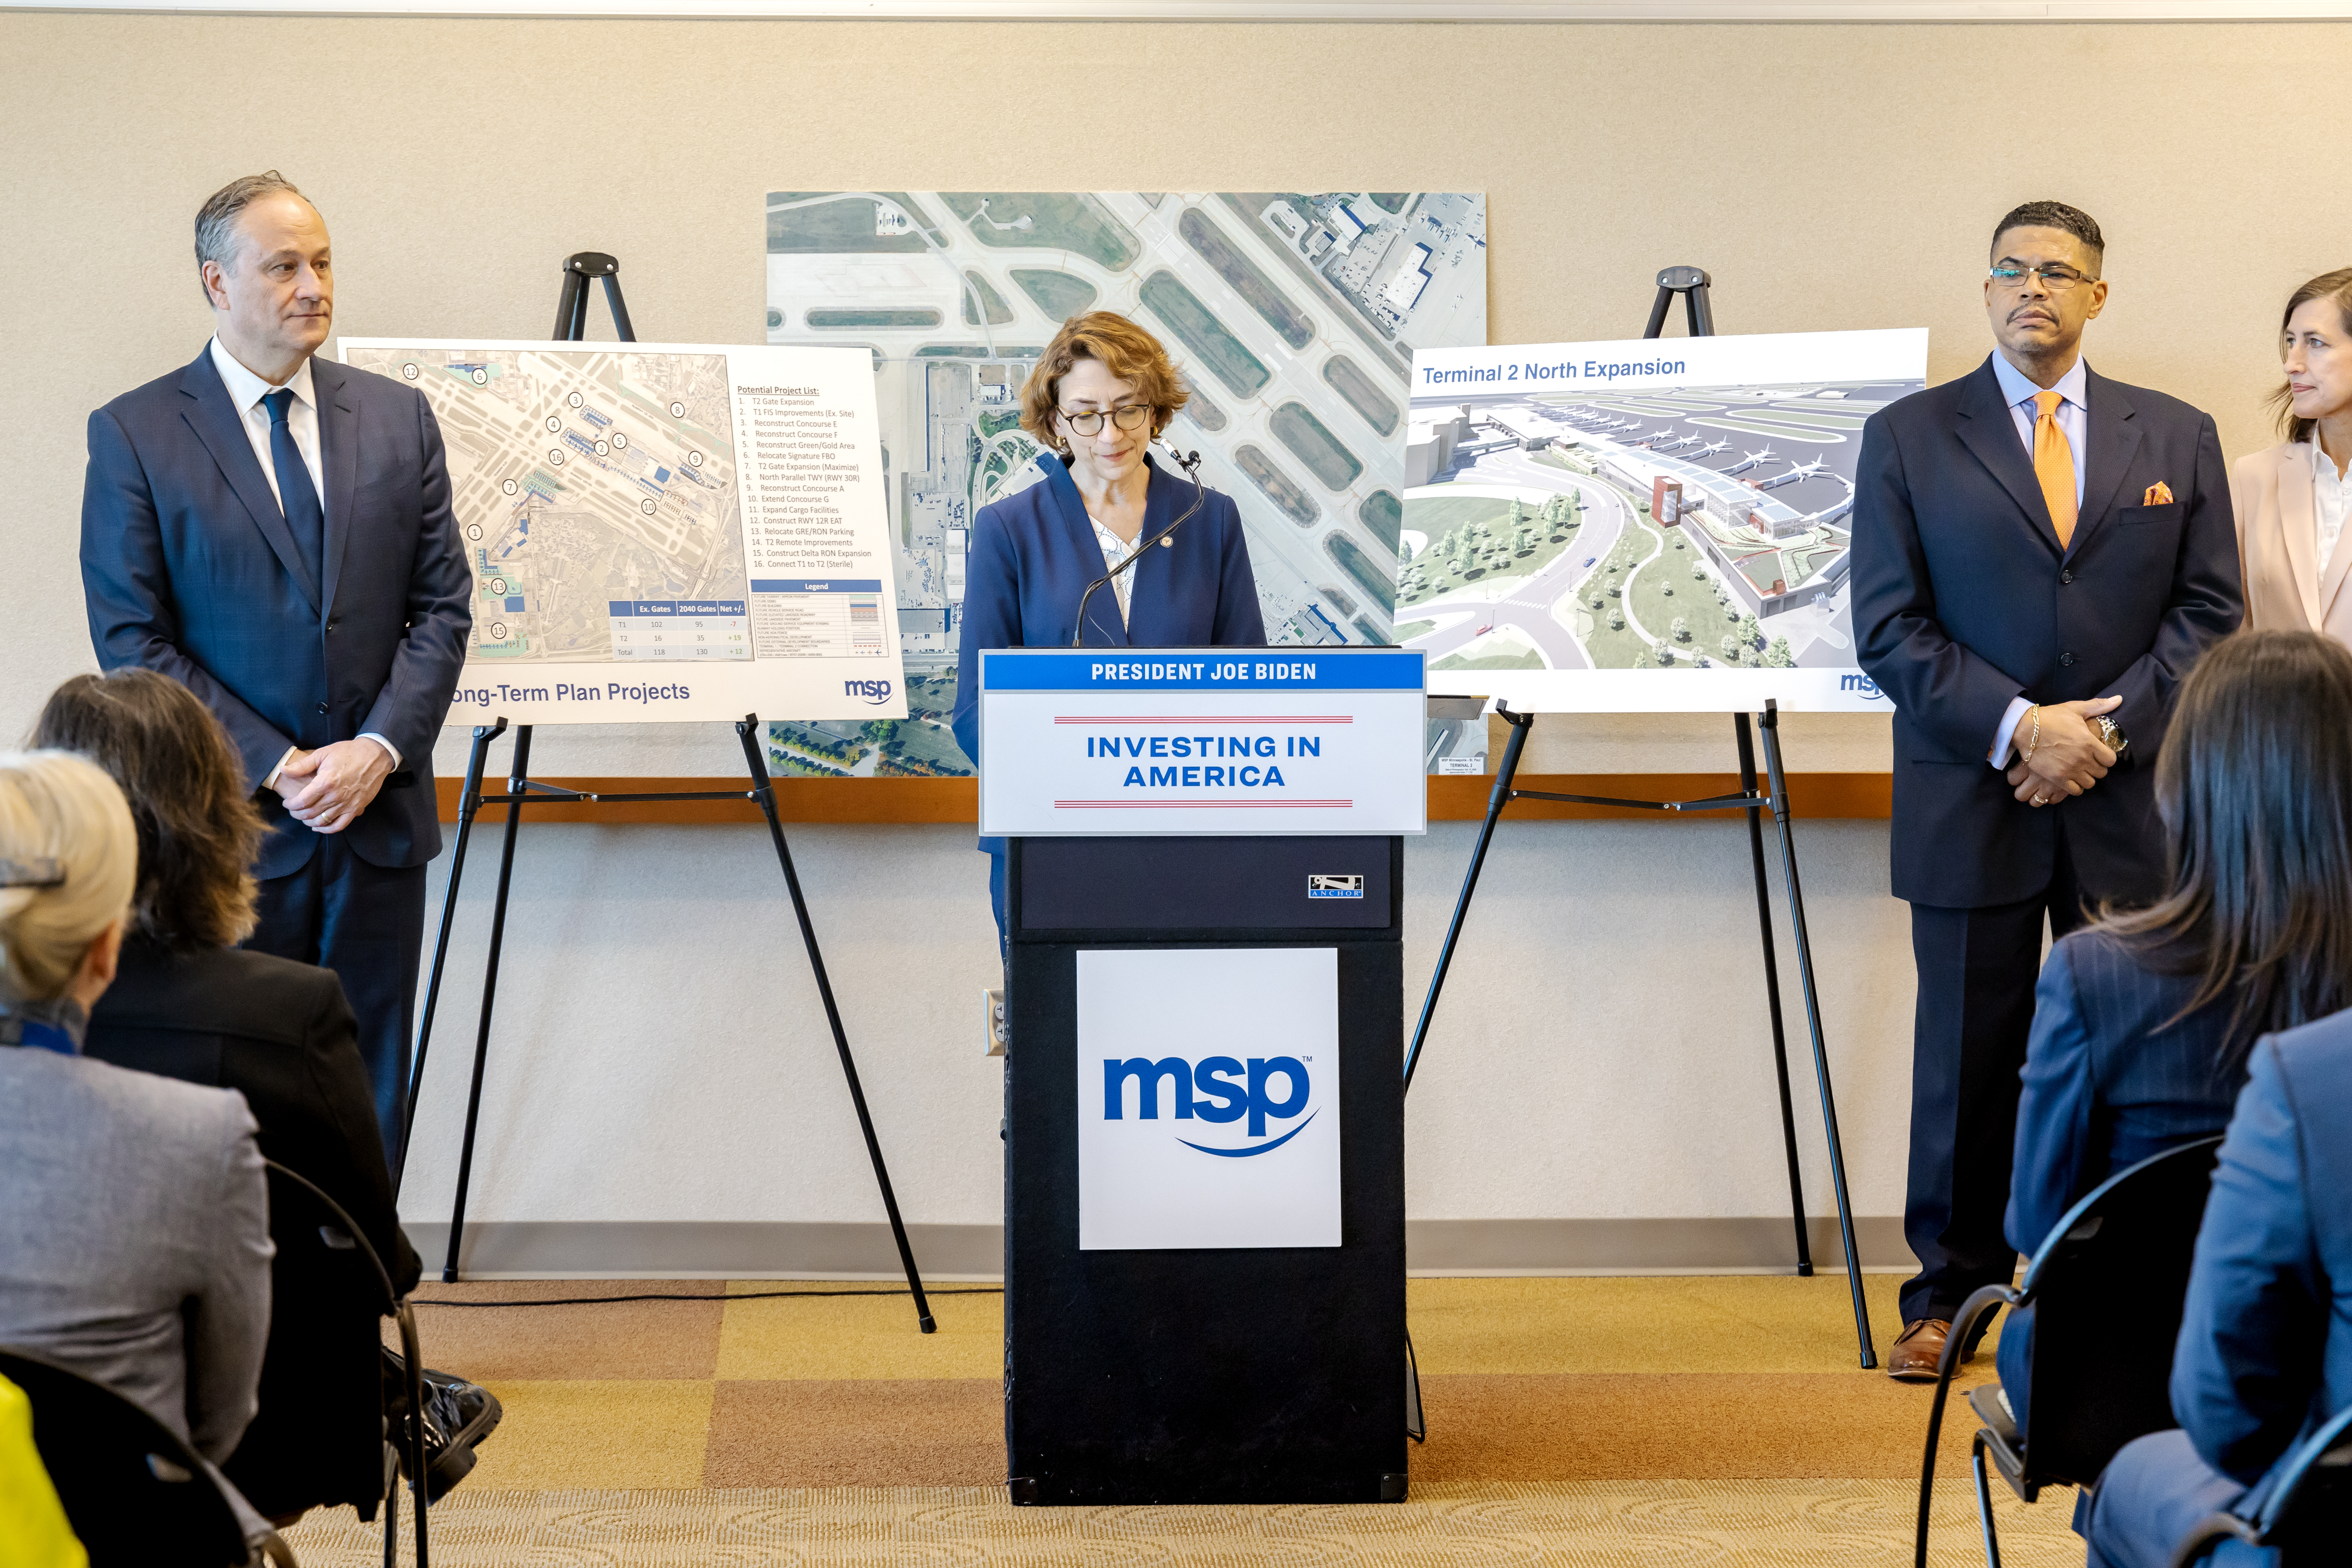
2254	784
198	830
69	859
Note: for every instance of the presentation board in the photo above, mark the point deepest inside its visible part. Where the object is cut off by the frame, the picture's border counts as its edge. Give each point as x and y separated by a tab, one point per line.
1293	319
1646	526
663	532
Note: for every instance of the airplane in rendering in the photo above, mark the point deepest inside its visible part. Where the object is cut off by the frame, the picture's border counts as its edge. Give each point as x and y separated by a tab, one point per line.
1805	470
1748	460
1709	451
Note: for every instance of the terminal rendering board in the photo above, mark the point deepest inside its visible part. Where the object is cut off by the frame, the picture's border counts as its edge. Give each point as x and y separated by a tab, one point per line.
1644	526
662	531
1294	319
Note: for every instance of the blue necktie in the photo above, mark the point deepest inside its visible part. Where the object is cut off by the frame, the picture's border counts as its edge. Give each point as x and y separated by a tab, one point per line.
297	496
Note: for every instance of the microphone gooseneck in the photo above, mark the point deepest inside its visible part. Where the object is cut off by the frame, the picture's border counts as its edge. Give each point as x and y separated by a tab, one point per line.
1190	463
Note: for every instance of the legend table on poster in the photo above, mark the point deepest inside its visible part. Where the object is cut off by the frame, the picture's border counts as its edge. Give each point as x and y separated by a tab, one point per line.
824	617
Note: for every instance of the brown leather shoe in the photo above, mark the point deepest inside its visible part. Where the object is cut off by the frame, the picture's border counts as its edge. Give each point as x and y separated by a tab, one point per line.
1919	1350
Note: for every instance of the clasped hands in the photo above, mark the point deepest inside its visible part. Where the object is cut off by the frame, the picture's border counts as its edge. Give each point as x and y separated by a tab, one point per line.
2068	758
326	789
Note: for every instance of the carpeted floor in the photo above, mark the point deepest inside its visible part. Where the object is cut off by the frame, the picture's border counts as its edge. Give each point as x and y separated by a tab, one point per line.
1698	1421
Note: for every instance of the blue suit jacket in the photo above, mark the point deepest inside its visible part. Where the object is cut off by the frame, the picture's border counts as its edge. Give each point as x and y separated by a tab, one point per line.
1034	553
1963	599
188	568
2107	1082
2265	1352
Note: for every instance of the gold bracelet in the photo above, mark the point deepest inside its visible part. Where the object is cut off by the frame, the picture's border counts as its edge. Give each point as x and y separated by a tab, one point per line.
2035	739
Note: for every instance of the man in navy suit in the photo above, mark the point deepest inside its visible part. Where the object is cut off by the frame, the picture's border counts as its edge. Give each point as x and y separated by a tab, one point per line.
273	531
2040	556
2265	1352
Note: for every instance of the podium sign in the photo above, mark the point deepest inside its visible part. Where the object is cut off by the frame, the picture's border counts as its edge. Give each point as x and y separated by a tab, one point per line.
1158	742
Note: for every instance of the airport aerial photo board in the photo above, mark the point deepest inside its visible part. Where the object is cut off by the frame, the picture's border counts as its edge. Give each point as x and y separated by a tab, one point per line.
1646	526
1294	317
663	532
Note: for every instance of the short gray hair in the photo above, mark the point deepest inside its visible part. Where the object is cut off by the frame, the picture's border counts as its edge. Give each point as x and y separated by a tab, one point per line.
216	219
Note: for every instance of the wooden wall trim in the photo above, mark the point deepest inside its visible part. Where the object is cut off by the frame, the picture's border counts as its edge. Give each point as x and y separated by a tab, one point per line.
1456	799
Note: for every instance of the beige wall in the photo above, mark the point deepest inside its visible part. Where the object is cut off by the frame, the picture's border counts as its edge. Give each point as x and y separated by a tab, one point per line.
1828	176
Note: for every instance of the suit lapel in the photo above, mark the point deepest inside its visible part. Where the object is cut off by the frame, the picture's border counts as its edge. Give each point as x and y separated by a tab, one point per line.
2299	532
1072	509
1986	429
338	458
214	420
2112	437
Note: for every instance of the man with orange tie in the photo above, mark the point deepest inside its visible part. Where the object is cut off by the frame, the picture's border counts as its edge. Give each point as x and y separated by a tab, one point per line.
2040	556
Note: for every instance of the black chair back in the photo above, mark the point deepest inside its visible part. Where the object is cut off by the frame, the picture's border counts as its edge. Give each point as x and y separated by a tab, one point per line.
135	1495
2108	1287
318	1438
2309	1513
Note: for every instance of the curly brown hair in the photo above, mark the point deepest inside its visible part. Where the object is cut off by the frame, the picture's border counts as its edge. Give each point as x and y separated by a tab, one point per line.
1125	350
198	829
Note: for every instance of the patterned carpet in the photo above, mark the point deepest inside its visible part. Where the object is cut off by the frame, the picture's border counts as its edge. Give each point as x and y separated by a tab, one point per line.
1682	1421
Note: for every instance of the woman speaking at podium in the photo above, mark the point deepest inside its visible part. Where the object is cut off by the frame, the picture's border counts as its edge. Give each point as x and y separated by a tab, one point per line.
1102	392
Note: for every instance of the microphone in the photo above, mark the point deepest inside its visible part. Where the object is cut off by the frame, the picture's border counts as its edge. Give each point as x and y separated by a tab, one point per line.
1190	463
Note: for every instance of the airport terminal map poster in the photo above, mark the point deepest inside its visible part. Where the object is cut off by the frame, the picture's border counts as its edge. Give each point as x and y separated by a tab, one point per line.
1650	526
663	532
1294	319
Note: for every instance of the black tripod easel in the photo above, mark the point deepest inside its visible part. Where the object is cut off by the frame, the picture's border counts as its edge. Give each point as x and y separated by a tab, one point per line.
571	326
1691	283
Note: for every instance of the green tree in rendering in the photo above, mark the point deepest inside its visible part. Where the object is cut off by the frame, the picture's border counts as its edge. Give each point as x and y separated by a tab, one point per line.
1698	570
1681	629
1748	630
1777	655
1665	655
1518	511
1731	645
1616	620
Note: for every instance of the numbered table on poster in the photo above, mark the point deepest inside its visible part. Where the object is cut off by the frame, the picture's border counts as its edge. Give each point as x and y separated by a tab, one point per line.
679	628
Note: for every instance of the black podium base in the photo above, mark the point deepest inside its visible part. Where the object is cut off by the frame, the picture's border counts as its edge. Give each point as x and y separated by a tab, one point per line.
1259	1375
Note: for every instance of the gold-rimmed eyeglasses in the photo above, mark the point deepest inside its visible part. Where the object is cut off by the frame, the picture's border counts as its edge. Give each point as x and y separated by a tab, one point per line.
2055	279
1089	421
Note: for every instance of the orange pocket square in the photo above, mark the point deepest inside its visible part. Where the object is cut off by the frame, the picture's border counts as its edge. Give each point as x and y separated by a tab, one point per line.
2158	494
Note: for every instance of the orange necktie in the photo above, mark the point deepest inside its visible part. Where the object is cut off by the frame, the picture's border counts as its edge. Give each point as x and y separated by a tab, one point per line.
2053	464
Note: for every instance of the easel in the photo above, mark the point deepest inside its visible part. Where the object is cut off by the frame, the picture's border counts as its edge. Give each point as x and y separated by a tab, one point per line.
571	326
1691	283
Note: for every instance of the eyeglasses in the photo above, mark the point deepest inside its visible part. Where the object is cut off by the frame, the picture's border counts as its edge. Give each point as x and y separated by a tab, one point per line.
2057	279
1089	422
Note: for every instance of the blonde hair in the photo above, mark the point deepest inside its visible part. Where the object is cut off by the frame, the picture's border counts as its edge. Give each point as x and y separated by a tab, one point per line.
61	819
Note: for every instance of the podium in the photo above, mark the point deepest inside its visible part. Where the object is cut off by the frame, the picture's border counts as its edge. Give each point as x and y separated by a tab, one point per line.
1205	1127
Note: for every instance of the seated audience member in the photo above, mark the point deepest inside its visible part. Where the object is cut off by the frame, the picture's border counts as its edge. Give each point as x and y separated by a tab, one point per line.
2265	1354
2142	1021
189	1003
134	1228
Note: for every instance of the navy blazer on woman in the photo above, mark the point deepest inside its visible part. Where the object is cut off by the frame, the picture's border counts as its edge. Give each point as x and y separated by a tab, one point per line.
2109	1080
1964	600
1034	553
2265	1351
188	568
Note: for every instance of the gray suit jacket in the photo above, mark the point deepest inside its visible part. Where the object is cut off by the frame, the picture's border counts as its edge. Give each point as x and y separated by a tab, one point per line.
134	1238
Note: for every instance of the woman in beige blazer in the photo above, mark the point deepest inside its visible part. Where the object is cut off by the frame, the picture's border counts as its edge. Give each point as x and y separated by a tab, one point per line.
2293	501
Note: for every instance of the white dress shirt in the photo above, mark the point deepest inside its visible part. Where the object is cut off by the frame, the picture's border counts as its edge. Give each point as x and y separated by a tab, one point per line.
2075	419
246	391
2331	497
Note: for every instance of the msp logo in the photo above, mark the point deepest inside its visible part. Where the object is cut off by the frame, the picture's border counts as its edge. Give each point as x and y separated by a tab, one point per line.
872	690
1229	1089
1857	681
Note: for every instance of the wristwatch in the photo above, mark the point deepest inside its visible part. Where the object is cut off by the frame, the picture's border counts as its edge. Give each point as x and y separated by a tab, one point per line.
2112	733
